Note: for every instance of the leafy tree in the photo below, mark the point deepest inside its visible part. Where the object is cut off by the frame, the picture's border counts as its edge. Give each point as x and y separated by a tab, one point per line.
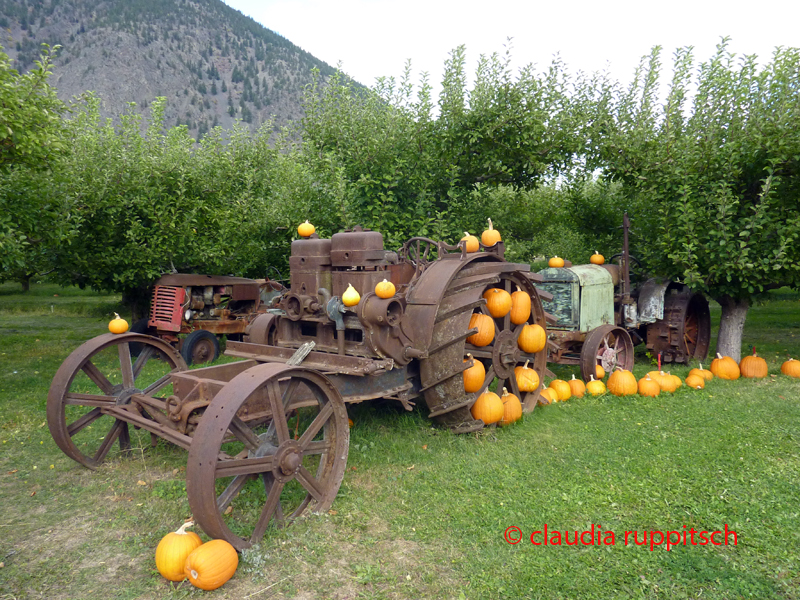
33	215
717	166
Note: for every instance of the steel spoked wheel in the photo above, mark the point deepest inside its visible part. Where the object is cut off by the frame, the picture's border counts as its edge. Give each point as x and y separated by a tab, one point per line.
99	375
272	444
608	346
503	354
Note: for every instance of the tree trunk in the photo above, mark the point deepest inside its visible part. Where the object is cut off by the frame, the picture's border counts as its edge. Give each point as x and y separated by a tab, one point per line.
731	326
26	283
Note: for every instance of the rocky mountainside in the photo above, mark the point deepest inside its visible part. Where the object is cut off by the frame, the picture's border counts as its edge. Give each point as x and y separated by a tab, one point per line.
213	64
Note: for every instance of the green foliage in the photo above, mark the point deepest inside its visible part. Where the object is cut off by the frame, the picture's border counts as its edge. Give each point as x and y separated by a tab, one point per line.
33	217
718	165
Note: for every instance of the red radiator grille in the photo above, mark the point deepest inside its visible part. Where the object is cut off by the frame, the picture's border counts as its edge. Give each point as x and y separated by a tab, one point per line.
165	309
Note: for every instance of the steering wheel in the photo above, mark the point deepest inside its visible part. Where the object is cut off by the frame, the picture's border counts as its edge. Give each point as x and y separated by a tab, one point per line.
636	274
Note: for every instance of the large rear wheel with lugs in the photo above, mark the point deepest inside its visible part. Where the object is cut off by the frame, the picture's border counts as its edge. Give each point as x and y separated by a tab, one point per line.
441	372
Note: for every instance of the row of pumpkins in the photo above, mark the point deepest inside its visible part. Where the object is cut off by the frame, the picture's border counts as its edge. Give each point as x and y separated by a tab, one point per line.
183	555
505	409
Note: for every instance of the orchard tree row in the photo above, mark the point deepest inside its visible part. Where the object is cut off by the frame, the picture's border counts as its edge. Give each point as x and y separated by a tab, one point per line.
706	166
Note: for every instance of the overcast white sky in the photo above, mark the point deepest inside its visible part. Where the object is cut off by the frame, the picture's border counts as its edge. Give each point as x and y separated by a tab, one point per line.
372	38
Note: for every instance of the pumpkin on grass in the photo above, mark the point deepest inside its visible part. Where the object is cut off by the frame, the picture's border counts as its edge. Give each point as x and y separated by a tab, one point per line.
474	375
622	383
725	367
595	387
211	565
485	325
696	382
649	387
701	372
547	396
753	367
498	302
577	387
487	408
172	551
512	408
561	388
599	372
520	307
527	378
791	368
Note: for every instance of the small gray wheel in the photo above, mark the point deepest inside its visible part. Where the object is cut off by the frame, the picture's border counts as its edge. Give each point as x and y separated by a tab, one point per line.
200	346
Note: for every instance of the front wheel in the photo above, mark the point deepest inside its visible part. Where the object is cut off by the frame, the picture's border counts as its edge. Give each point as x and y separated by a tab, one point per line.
608	346
200	346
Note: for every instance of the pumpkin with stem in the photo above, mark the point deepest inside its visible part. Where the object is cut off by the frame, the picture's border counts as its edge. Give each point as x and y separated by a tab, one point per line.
173	549
696	382
385	289
597	258
512	408
520	307
306	229
701	372
622	383
487	408
556	262
470	242
491	236
595	387
527	378
577	387
725	367
791	368
649	387
547	396
351	297
485	325
753	367
498	302
561	388
118	324
474	375
211	565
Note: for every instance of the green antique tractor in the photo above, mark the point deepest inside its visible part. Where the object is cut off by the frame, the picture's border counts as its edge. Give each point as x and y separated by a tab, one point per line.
596	317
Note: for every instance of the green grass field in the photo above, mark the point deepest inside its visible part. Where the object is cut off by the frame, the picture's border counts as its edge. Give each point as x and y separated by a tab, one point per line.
422	513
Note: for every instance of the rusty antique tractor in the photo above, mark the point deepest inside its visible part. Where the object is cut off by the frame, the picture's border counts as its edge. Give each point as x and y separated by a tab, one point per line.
598	317
267	435
202	308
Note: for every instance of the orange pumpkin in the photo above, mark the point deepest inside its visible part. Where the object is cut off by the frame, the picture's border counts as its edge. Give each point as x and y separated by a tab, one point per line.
385	289
622	383
561	388
595	387
547	396
753	367
600	372
527	378
491	236
172	551
649	387
791	368
471	242
577	387
520	307
701	372
211	565
485	325
512	408
696	382
725	367
474	375
532	339
305	229
487	408
498	302
117	324
555	262
597	258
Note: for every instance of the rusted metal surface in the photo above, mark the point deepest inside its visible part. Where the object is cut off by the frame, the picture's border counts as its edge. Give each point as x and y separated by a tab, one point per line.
610	347
278	432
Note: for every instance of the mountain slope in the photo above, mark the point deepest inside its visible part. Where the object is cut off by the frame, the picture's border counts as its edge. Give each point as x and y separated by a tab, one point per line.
212	63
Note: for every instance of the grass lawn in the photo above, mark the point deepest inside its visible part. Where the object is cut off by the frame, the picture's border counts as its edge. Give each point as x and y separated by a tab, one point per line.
422	513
